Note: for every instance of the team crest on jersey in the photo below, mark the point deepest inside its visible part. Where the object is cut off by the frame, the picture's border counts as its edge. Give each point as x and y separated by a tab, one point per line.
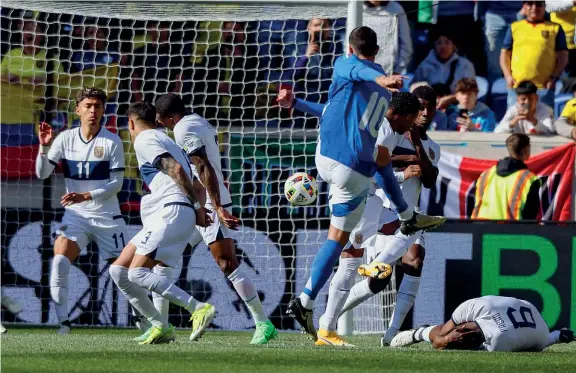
545	34
432	154
359	238
98	151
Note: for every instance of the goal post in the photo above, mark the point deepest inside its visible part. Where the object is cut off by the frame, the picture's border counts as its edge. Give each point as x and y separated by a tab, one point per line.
227	59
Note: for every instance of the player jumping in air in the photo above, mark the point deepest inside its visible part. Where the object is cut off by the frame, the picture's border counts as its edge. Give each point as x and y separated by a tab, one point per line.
199	141
491	323
93	166
349	155
172	215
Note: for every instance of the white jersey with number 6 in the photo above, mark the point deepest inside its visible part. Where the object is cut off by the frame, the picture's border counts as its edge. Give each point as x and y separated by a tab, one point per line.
508	324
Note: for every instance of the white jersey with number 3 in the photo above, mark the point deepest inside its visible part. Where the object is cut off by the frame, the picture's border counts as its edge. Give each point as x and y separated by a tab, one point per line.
192	133
508	324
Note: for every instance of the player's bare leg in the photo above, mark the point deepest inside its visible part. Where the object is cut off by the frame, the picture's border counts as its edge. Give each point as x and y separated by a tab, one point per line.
412	263
224	253
65	252
340	286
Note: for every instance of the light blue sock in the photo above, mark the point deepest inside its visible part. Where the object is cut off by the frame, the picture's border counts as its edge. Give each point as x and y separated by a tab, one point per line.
322	267
387	181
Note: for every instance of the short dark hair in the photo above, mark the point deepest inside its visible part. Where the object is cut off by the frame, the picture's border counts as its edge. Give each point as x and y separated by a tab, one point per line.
143	111
91	92
441	89
170	104
364	41
517	143
526	87
467	85
466	340
425	92
404	103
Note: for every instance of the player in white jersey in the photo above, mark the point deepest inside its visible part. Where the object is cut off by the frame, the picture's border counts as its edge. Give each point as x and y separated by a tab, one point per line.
93	166
415	159
199	141
490	323
175	212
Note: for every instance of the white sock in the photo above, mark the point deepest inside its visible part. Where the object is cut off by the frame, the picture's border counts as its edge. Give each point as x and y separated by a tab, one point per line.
406	214
305	298
162	304
137	296
340	286
59	286
393	247
423	334
144	277
358	294
246	290
404	300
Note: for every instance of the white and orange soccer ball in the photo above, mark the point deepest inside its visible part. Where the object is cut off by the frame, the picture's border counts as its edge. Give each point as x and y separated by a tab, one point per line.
301	189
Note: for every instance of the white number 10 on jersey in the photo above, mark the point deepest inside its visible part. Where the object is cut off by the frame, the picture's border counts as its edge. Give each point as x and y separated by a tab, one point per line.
81	166
372	115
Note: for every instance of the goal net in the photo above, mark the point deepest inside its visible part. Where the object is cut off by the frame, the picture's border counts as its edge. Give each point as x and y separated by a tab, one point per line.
228	61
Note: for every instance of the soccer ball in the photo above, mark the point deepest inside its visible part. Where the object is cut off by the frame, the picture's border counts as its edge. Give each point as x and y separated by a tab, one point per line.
301	189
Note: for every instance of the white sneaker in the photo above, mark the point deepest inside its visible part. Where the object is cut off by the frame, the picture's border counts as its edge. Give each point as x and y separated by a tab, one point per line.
2	329
389	334
11	305
64	328
404	339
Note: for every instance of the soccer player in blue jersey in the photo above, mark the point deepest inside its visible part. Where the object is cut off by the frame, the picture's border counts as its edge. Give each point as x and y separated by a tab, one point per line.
358	132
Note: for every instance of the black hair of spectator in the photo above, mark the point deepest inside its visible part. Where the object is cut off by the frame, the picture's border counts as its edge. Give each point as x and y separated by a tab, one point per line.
91	92
143	111
170	104
404	103
364	41
425	92
441	89
517	143
526	87
437	32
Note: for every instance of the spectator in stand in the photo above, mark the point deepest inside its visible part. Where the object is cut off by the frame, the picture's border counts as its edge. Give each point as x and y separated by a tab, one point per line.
497	17
564	13
508	190
565	125
443	64
534	49
380	16
457	18
528	115
470	114
94	52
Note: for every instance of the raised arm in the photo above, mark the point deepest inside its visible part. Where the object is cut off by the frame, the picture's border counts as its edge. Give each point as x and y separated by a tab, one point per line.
49	154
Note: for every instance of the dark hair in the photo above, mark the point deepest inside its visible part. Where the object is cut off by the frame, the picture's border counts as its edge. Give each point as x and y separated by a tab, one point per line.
364	41
467	340
441	89
169	104
467	85
404	103
526	87
91	92
517	143
143	111
425	92
439	31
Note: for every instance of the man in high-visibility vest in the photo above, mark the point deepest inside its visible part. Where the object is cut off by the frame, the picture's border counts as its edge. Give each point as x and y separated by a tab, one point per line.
508	191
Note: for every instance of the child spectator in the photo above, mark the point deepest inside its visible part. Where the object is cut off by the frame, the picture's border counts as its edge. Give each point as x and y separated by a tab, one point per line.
470	114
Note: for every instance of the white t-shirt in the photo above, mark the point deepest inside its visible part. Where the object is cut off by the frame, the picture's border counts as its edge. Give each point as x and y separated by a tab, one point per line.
387	138
193	133
411	188
149	146
87	166
508	324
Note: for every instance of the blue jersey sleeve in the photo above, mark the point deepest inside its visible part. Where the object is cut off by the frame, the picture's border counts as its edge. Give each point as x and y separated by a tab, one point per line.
309	107
353	69
507	43
561	40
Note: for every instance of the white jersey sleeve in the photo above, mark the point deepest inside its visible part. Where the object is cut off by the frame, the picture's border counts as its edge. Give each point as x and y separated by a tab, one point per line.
387	137
149	149
56	151
117	156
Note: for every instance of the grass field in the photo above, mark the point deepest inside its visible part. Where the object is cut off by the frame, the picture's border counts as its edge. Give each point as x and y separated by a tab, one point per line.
111	350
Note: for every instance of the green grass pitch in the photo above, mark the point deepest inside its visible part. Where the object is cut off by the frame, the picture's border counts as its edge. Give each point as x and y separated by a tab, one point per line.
111	350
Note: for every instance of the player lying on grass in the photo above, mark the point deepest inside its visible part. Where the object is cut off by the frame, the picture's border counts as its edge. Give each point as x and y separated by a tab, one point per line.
421	168
491	323
173	213
199	141
93	166
355	145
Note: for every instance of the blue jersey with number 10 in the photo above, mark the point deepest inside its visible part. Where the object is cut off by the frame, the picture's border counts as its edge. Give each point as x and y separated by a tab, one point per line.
355	111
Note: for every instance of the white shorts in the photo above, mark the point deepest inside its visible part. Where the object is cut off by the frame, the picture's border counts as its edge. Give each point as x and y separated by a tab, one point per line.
108	234
166	233
215	231
364	233
347	195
